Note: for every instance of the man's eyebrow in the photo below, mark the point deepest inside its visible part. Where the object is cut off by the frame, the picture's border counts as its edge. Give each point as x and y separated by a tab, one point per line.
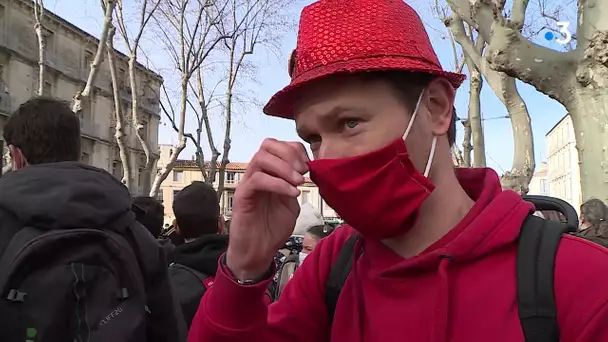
331	115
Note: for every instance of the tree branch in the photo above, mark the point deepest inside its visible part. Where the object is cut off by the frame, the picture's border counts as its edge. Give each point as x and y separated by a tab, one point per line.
509	52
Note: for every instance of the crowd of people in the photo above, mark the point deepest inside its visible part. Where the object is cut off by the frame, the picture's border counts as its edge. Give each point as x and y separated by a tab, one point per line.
428	252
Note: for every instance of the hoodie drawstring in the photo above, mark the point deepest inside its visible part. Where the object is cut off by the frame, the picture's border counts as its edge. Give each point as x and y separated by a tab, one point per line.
442	307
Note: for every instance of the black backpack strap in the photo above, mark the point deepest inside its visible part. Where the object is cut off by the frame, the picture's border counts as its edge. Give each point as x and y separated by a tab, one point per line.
198	275
338	274
538	243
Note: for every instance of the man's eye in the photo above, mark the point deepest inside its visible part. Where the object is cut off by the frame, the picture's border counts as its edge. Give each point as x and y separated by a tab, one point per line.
351	123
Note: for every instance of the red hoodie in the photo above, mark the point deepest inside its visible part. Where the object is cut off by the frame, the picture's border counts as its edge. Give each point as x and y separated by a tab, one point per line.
468	297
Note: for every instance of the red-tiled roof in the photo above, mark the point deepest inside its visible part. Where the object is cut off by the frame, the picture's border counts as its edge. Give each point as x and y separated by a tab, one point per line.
187	164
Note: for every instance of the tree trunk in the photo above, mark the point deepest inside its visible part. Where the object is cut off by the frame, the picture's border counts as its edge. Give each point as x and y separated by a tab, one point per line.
227	143
86	91
39	28
505	89
125	157
577	79
215	154
589	114
137	124
229	95
162	174
479	145
522	169
467	148
458	159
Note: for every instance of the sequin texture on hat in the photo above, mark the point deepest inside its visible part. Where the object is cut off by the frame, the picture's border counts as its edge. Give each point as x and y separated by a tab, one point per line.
348	36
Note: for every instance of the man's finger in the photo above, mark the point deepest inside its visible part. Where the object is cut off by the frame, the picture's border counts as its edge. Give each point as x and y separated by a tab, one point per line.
271	164
300	152
263	182
292	156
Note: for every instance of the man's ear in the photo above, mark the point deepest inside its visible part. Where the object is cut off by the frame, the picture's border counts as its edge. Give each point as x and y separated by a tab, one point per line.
176	227
17	157
440	105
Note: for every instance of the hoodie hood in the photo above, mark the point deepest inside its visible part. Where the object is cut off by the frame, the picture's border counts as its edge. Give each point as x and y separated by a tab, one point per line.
202	254
63	195
488	226
491	225
309	217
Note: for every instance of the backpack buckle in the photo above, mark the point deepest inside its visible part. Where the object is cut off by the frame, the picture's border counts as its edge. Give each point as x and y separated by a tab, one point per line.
123	294
16	296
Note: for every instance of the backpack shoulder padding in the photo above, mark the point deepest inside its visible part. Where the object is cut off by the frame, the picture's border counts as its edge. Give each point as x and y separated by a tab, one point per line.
538	243
338	274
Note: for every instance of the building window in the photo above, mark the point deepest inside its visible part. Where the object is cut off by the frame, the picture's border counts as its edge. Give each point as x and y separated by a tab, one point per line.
85	158
178	176
305	196
230	177
88	61
229	198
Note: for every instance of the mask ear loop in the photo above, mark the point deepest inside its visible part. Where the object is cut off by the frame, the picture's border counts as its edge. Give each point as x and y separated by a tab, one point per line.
429	162
427	169
411	123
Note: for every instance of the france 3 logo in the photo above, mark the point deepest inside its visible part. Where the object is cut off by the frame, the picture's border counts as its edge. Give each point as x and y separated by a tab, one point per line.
564	36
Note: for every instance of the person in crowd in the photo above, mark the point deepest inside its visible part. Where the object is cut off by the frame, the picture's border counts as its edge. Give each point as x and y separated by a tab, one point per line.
60	214
198	221
152	219
308	217
435	247
594	225
312	237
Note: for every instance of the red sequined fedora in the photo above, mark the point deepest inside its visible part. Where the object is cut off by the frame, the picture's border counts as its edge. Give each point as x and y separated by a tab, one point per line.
348	36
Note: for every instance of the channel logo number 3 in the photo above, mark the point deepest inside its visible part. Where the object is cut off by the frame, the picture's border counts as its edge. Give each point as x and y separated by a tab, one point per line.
565	36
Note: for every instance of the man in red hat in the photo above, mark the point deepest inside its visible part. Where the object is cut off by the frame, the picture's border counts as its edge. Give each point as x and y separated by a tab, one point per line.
432	254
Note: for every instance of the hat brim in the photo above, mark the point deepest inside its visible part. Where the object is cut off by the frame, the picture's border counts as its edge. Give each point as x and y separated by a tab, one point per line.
281	104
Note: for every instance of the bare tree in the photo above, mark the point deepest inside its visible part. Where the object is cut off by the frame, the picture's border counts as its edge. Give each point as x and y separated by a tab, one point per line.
467	146
578	79
40	34
504	86
458	158
85	93
132	44
190	33
474	121
262	22
125	156
208	170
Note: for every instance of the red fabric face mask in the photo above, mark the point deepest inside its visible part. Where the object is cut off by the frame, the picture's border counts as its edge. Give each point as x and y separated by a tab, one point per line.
379	193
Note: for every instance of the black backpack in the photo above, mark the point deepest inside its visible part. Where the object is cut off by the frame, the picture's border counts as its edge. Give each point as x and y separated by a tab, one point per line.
72	285
189	286
538	243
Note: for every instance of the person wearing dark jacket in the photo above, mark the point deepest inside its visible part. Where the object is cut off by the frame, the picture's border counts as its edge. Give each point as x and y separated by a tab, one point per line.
152	218
50	190
199	223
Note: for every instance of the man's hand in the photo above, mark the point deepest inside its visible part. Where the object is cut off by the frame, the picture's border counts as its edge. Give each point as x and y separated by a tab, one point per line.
265	207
